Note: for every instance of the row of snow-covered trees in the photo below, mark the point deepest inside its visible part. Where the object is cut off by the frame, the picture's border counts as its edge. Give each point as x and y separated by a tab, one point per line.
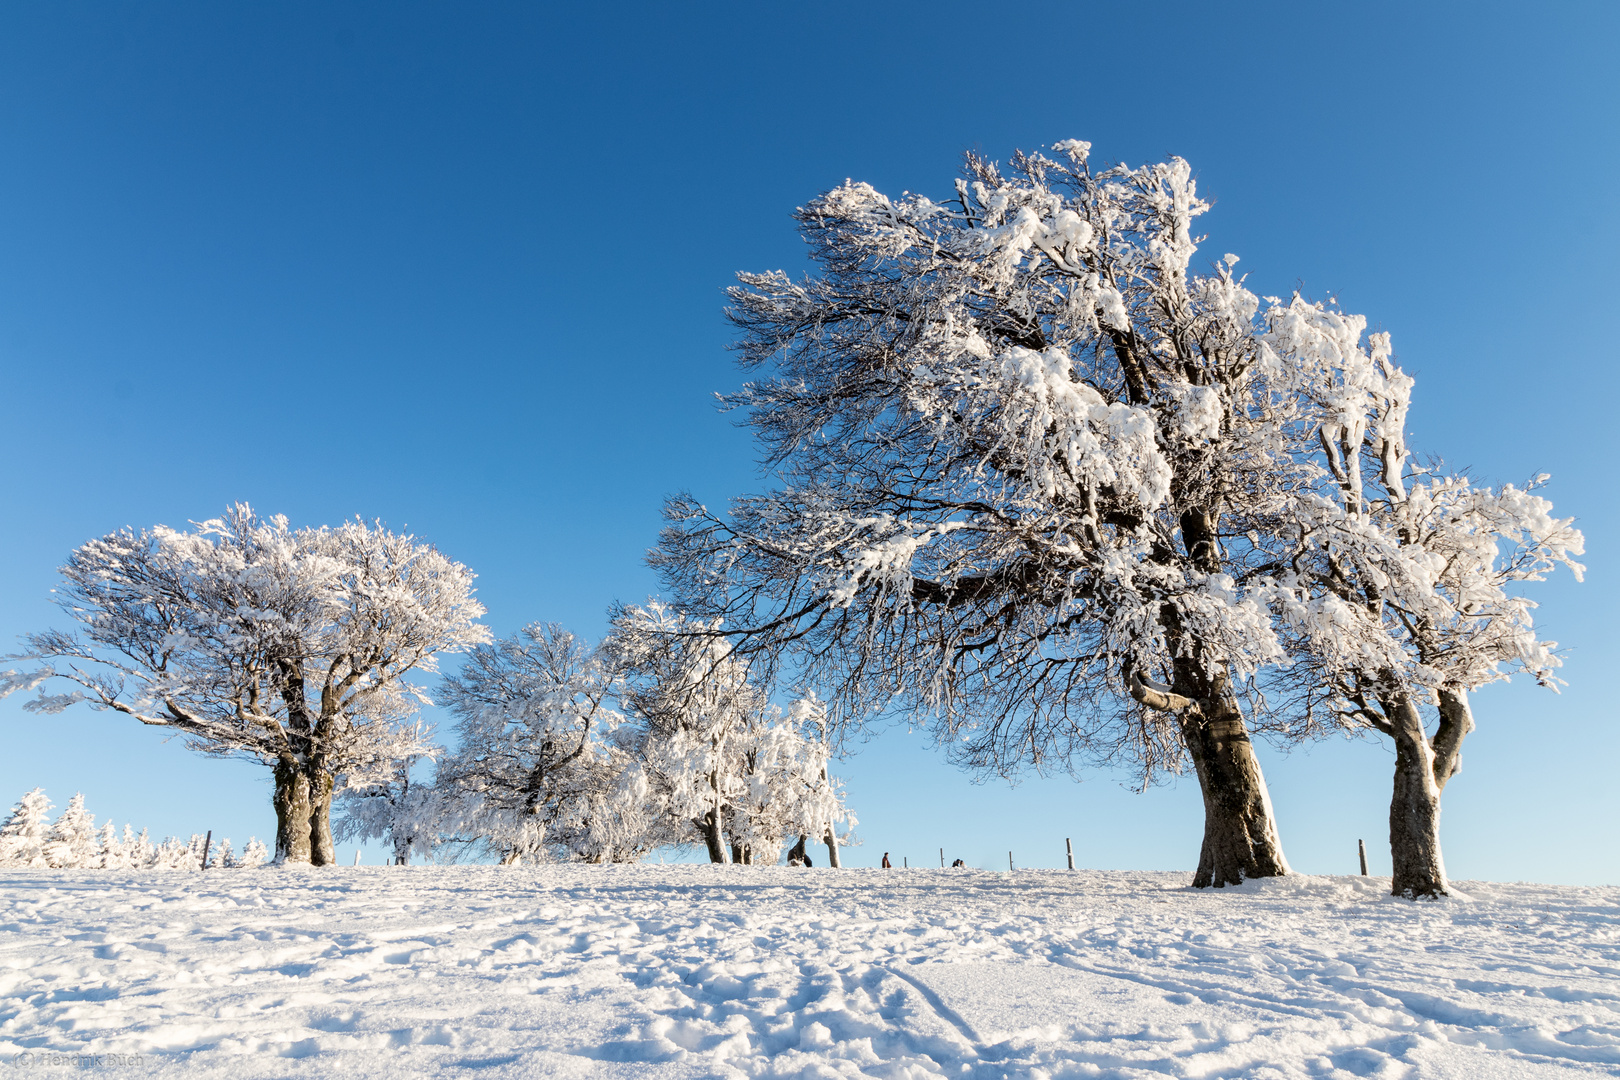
72	842
1041	487
655	738
1066	500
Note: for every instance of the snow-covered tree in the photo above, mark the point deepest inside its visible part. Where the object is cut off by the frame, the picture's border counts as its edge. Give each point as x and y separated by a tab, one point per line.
111	852
71	842
23	836
253	854
1028	459
1400	588
545	765
730	770
407	815
139	851
785	790
286	646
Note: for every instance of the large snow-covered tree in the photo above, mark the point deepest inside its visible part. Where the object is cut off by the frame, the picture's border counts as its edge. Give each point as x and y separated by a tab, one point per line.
1398	583
250	638
1025	453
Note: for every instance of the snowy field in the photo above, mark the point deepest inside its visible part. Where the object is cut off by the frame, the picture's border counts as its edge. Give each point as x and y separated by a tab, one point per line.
678	971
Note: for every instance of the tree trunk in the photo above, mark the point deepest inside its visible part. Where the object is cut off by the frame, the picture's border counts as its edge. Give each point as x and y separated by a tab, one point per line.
322	851
292	813
832	849
713	837
1240	831
1414	810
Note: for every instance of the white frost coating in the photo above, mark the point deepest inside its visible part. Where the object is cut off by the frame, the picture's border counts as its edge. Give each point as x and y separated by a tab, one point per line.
888	560
1037	365
1062	418
740	972
1077	149
1112	305
1200	411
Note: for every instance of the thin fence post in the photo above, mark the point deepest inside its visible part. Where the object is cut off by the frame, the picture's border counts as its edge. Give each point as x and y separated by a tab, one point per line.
1361	846
904	864
1068	843
942	858
208	842
1009	862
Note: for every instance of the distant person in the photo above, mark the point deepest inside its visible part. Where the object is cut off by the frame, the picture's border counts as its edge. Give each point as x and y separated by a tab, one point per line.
887	865
957	863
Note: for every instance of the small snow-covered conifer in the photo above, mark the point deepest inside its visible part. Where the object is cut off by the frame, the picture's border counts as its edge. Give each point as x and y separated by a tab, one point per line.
111	853
253	854
221	857
71	842
23	836
141	854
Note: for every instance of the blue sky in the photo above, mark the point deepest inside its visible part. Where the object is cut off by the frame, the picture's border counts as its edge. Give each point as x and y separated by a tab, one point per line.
459	267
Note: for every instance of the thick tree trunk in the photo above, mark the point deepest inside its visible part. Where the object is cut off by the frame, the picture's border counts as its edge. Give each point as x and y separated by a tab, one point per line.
292	804
832	850
1240	831
1414	808
713	838
322	851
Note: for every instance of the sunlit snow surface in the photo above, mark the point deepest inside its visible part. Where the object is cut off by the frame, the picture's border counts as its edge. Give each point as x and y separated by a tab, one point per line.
735	971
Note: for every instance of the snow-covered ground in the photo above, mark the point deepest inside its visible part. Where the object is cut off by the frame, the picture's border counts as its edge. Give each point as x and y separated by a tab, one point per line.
738	971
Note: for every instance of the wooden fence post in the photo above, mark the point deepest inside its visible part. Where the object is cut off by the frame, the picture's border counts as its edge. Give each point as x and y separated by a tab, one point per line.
208	842
1361	846
1070	845
1009	862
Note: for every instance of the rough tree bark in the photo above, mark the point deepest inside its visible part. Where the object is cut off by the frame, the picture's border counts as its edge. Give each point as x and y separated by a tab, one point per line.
292	804
1422	767
1240	831
714	837
322	851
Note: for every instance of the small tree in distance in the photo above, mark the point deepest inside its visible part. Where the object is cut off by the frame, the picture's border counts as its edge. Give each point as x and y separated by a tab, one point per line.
23	836
285	646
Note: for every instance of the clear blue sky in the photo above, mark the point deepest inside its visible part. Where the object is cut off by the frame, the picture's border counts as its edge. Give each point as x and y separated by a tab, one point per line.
459	267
